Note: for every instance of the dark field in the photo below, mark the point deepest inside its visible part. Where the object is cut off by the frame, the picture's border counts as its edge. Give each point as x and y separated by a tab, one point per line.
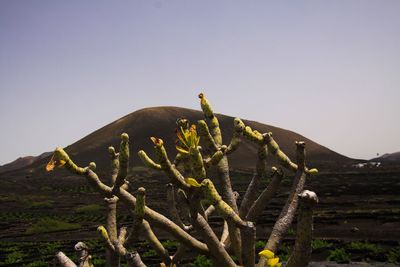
358	216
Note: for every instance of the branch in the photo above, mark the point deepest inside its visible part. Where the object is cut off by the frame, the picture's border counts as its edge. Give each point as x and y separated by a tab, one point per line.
248	245
223	173
236	140
83	255
207	137
302	249
217	250
112	258
123	162
134	260
212	197
211	119
155	243
179	254
273	147
62	260
114	165
215	158
287	214
173	211
266	195
252	190
148	161
141	225
164	162
152	216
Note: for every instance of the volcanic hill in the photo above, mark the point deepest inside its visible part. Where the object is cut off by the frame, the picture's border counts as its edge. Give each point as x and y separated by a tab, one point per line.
161	122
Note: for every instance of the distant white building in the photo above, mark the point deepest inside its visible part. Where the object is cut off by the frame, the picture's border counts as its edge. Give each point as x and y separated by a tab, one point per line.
371	164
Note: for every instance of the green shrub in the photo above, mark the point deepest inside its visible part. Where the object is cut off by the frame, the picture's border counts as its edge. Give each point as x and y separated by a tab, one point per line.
14	256
149	253
339	255
201	261
47	225
170	243
393	256
284	251
92	208
364	246
98	261
260	244
50	248
291	232
319	244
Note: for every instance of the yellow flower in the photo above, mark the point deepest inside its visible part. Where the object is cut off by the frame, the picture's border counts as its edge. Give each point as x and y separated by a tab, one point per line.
187	139
272	261
266	253
158	142
192	182
103	232
55	161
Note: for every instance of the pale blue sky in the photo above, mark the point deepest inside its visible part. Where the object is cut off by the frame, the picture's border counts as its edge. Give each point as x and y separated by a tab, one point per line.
329	70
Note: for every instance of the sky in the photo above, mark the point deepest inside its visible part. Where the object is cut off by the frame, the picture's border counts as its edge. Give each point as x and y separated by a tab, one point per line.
329	70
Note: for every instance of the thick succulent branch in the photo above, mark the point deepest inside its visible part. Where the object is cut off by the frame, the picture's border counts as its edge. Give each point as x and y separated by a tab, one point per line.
112	258
84	257
212	197
235	141
164	162
223	173
248	244
252	190
173	211
211	119
152	216
266	195
155	243
273	147
62	260
219	255
148	161
287	214
215	158
207	137
114	165
123	162
302	249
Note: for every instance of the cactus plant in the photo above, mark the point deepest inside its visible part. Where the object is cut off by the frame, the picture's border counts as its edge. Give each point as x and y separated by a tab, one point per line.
198	197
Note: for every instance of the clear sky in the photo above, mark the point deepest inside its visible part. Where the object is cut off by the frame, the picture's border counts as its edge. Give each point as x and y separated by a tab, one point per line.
329	70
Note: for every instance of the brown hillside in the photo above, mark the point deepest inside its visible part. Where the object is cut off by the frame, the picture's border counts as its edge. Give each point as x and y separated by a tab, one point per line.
22	162
160	122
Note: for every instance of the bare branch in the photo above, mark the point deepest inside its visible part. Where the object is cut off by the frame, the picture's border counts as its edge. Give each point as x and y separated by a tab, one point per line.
173	211
252	190
83	255
217	250
302	249
155	243
265	196
287	214
62	260
248	244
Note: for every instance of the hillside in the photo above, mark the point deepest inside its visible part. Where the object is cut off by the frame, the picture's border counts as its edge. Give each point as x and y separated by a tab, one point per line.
160	122
388	157
22	162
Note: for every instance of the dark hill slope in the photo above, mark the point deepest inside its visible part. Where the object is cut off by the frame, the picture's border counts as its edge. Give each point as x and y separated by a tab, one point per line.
160	122
22	162
388	157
